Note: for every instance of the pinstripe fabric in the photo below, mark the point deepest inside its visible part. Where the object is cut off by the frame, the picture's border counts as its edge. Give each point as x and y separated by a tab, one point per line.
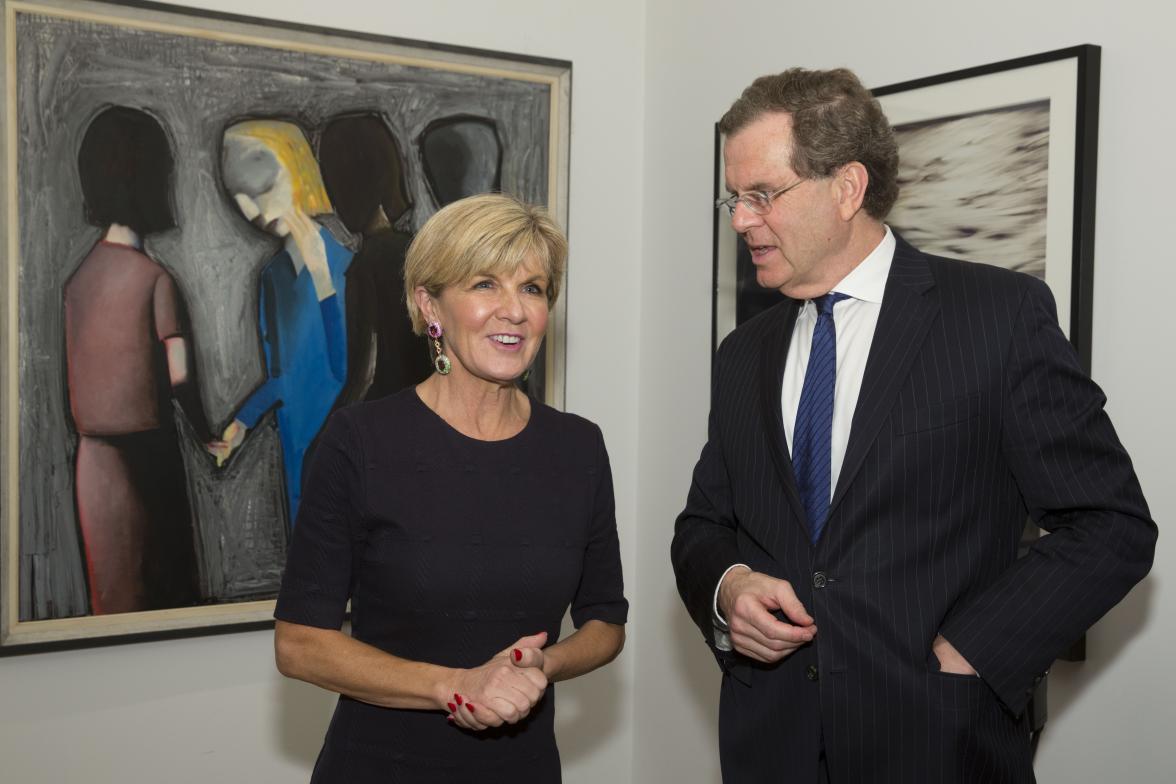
812	452
973	412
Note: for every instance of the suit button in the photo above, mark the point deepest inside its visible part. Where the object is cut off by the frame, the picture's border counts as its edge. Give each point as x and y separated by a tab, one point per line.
811	672
819	579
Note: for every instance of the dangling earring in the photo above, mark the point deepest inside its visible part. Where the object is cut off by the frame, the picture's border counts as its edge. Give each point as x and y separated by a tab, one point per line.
441	362
526	374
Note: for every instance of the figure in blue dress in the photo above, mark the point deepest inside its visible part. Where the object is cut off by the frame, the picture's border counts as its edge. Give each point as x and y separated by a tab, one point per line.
272	176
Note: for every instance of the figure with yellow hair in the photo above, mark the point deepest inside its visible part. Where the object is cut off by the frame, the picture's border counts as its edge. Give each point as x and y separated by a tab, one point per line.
274	180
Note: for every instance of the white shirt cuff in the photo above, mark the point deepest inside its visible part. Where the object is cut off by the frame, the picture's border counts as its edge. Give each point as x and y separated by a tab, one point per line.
722	637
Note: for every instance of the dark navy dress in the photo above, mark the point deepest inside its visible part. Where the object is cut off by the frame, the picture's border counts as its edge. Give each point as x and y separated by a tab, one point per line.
450	549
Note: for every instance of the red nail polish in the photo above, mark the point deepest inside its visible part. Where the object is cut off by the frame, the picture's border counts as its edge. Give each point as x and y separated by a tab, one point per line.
457	697
518	654
470	707
452	707
449	719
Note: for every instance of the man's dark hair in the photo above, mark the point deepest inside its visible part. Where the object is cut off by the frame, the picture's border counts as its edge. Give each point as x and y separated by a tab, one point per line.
125	166
835	120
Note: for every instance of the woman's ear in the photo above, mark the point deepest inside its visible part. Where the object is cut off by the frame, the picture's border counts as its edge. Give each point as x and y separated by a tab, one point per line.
425	303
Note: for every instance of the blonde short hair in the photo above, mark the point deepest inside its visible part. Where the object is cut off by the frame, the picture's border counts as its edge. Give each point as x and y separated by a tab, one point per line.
487	234
286	141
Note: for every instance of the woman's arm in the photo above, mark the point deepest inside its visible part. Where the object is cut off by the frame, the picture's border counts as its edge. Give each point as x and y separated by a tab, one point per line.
336	661
599	608
332	660
593	645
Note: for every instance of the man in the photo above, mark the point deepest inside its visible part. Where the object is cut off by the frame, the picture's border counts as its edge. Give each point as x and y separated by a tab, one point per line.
849	544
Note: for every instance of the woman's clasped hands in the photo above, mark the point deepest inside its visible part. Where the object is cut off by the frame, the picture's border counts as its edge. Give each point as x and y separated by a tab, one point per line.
503	690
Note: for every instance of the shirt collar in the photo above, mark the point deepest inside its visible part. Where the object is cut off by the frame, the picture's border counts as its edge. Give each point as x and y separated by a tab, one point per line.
117	234
867	281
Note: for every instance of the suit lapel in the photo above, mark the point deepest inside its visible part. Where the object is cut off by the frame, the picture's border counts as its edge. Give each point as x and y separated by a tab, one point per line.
775	352
908	311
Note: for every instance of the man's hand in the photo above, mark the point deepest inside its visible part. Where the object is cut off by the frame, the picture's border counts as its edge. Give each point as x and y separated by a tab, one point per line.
747	599
950	660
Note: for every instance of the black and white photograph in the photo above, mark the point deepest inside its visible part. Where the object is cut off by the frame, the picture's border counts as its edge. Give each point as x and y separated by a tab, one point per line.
976	186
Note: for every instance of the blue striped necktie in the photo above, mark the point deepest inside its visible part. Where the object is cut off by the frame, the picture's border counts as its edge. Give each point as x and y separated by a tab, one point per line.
813	435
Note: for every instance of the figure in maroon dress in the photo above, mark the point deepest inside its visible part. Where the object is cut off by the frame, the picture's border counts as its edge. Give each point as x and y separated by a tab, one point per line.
128	355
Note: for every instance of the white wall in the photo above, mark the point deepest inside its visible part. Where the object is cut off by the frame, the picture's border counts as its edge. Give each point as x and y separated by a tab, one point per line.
649	81
213	708
1112	715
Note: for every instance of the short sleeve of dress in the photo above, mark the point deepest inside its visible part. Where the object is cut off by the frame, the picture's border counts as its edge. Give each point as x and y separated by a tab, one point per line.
168	308
601	593
317	581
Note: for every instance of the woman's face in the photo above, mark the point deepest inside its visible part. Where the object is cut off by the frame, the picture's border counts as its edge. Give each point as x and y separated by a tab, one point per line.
493	325
259	184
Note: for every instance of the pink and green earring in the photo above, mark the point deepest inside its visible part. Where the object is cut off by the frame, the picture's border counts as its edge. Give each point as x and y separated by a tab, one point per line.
441	362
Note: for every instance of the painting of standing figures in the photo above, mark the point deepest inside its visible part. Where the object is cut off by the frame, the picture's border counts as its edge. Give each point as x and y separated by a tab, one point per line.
205	229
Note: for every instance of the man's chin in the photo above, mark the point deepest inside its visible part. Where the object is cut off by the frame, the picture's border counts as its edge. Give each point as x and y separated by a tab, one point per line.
770	279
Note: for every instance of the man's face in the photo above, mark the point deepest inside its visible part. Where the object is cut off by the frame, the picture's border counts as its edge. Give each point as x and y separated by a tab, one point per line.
790	244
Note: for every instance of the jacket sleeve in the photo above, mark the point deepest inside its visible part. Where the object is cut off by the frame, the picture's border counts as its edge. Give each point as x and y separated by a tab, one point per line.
267	395
1078	483
335	332
704	543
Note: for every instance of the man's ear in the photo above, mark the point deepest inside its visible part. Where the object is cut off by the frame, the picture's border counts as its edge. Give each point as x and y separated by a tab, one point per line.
850	182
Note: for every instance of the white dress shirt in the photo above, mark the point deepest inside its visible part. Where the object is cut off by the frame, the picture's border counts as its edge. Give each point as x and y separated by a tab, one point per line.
855	320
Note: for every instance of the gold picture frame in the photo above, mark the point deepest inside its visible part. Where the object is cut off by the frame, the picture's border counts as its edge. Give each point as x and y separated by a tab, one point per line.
197	72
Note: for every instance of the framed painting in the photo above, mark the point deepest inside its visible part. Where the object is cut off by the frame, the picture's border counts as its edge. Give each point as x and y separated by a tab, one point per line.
168	177
997	164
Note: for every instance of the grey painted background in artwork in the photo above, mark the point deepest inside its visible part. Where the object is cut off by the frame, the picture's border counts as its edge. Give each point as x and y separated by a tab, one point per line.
975	186
68	70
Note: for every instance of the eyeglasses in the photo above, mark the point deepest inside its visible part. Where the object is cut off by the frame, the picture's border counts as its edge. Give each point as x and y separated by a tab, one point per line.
759	202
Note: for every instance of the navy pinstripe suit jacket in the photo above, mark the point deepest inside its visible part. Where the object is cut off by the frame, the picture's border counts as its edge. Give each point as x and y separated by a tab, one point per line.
974	412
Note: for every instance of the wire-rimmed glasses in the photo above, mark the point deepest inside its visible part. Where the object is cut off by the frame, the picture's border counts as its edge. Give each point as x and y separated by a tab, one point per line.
759	202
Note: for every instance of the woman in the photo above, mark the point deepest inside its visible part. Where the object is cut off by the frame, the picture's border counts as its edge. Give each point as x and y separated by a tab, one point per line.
461	519
272	176
128	354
